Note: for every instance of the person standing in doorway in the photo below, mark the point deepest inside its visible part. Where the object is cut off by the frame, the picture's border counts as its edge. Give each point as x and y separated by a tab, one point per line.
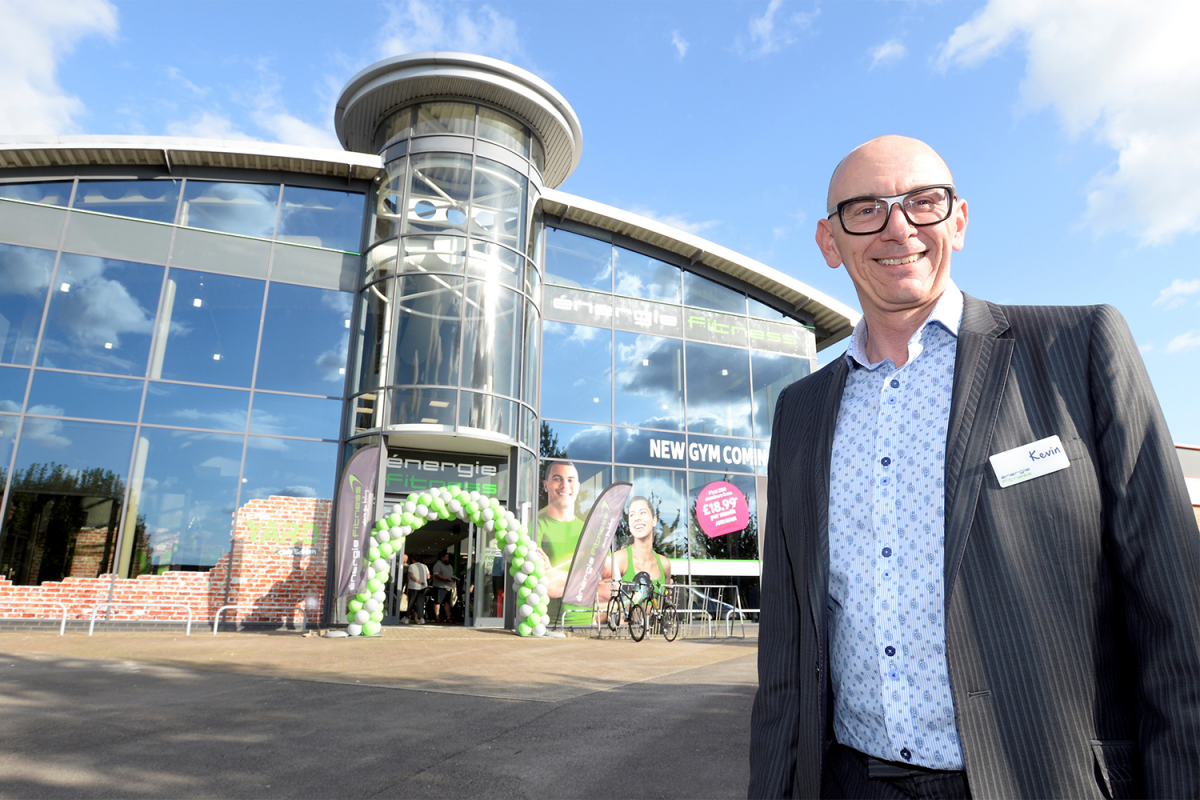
443	583
418	587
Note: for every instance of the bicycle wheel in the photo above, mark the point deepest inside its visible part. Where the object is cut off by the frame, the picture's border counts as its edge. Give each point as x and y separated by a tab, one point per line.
615	607
670	623
637	622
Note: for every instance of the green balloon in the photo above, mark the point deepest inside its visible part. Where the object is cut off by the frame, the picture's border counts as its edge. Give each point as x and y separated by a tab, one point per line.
376	616
426	498
372	553
386	550
356	604
522	593
521	551
393	520
374	585
523	629
530	582
472	507
362	597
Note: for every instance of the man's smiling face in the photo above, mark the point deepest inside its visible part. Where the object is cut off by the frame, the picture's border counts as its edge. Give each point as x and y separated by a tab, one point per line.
901	268
562	487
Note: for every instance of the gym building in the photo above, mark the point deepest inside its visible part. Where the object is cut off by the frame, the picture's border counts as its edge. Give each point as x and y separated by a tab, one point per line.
197	335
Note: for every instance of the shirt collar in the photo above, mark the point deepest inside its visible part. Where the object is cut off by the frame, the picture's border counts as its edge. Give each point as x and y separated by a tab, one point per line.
947	313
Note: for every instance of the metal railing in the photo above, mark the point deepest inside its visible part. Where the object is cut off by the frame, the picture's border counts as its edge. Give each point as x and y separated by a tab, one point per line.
223	609
159	603
62	629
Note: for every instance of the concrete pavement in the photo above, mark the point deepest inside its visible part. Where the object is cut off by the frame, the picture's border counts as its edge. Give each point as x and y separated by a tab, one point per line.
435	712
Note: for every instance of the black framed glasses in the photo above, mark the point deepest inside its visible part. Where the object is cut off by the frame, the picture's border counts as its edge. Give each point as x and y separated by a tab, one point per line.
928	205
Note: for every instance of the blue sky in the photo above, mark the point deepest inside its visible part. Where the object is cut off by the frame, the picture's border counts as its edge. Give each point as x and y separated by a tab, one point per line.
1072	128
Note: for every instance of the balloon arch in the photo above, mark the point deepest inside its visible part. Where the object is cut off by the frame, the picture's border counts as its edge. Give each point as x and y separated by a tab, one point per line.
365	609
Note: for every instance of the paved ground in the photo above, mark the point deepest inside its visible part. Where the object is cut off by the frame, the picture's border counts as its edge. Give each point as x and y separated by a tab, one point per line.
423	712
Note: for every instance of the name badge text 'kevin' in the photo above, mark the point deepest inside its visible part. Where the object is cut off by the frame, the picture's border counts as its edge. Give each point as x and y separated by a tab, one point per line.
1029	461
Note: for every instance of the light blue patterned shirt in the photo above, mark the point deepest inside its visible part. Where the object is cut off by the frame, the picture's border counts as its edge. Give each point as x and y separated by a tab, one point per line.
887	626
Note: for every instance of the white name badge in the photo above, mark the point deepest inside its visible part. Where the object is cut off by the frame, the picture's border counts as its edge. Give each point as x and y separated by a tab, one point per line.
1029	461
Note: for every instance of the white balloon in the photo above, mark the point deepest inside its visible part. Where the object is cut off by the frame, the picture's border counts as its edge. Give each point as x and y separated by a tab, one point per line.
544	580
529	566
489	526
362	615
542	589
410	506
509	550
371	605
454	506
397	509
396	531
379	565
539	629
525	610
512	537
378	597
475	495
354	629
370	573
487	514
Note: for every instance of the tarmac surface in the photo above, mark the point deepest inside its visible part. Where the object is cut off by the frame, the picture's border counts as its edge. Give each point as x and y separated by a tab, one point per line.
434	711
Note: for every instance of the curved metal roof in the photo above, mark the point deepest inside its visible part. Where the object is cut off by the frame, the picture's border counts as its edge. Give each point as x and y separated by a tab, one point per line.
76	151
837	319
394	82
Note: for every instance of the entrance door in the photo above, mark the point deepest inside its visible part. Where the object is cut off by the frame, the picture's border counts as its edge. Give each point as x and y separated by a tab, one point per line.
487	607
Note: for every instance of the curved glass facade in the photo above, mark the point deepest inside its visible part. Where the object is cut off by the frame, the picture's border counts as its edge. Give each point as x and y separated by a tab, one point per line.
449	305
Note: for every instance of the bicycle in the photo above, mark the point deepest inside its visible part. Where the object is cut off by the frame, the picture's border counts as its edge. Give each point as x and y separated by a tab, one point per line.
619	603
657	612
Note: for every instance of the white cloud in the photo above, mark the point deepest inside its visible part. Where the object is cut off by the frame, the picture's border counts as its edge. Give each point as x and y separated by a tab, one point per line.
175	74
34	38
1129	74
416	27
681	45
1175	295
886	53
772	32
676	220
1184	342
207	125
270	114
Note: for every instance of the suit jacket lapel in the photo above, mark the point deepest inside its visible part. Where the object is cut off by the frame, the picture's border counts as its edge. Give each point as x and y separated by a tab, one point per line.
815	467
980	373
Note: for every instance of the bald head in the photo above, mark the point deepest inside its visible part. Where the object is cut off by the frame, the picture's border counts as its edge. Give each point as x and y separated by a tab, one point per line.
897	159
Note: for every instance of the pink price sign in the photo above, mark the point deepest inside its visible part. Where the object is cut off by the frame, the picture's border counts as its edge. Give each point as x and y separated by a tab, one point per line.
721	508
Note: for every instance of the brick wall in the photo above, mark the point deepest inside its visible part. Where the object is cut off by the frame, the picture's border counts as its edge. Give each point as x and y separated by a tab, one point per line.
278	558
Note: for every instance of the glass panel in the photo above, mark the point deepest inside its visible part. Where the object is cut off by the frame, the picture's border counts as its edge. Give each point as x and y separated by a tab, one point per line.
504	130
496	264
529	428
287	415
326	269
394	127
380	261
196	407
538	155
574	260
439	193
772	373
152	200
735	544
245	208
12	391
718	390
576	372
485	412
435	254
125	239
8	434
24	279
498	207
36	226
67	490
183	495
305	335
229	254
54	193
665	494
207	328
649	385
445	118
65	394
424	407
101	315
703	293
289	468
361	411
427	341
651	448
373	330
321	218
641	276
764	311
492	323
583	442
389	197
529	391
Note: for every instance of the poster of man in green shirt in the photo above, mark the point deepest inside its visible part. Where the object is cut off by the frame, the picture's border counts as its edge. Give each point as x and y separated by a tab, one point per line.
558	528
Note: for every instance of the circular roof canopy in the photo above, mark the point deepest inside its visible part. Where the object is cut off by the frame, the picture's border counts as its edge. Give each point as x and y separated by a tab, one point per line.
392	83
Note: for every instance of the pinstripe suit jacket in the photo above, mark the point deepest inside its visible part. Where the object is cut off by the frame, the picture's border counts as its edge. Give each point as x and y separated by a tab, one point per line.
1072	600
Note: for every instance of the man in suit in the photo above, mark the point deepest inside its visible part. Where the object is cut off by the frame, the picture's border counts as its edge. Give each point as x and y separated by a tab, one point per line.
939	623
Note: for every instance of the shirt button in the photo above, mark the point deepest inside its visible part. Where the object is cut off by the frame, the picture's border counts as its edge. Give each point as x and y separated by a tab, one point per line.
887	462
884	481
887	552
906	753
895	383
894	674
891	651
891	400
